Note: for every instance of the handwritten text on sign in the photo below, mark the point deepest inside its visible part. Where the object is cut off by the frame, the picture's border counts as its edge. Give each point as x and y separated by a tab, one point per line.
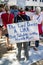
23	31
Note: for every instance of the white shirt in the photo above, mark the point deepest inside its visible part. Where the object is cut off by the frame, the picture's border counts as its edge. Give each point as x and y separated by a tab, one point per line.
38	18
29	13
42	18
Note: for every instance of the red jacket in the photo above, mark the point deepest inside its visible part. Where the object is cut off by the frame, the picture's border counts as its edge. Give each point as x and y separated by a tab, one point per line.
40	28
7	18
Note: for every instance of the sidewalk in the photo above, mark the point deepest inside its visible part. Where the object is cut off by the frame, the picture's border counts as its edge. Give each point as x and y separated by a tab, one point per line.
10	57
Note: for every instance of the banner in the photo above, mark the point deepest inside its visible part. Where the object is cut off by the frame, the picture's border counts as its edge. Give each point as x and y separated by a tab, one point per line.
23	32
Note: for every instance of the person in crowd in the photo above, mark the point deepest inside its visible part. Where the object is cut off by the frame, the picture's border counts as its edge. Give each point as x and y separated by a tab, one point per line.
42	23
7	18
14	10
20	18
1	23
37	16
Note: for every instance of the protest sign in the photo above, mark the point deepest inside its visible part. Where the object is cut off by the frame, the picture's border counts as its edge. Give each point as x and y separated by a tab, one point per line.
23	32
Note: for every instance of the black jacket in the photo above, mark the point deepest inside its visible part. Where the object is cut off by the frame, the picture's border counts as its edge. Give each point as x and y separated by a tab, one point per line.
21	18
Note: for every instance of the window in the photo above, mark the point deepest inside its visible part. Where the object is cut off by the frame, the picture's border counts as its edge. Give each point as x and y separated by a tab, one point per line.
41	0
34	0
27	0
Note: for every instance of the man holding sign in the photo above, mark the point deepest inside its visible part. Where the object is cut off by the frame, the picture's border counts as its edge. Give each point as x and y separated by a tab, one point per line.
20	18
23	32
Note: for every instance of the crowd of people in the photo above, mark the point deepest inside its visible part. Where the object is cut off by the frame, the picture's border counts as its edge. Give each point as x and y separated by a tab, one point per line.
9	15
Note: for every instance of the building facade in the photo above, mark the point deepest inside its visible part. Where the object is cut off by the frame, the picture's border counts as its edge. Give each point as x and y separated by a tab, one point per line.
34	3
27	3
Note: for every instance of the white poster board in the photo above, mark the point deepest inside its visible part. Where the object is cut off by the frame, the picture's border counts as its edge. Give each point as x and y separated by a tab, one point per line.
23	32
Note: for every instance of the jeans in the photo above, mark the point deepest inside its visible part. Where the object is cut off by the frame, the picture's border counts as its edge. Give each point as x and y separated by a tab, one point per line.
36	43
25	45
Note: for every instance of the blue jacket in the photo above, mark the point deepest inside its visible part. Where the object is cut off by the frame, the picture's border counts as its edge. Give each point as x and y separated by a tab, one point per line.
14	11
